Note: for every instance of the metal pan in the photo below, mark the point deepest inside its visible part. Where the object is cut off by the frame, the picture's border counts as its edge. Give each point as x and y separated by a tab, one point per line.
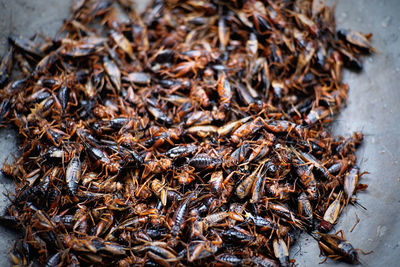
373	108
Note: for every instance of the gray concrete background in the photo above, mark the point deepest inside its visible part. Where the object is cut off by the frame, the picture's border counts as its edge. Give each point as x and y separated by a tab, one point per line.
373	108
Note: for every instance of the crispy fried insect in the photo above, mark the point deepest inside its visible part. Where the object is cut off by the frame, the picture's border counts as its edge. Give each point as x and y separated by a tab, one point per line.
281	252
332	213
336	247
73	174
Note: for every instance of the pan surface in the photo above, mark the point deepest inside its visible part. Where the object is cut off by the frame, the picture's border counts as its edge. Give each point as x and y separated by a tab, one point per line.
373	108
